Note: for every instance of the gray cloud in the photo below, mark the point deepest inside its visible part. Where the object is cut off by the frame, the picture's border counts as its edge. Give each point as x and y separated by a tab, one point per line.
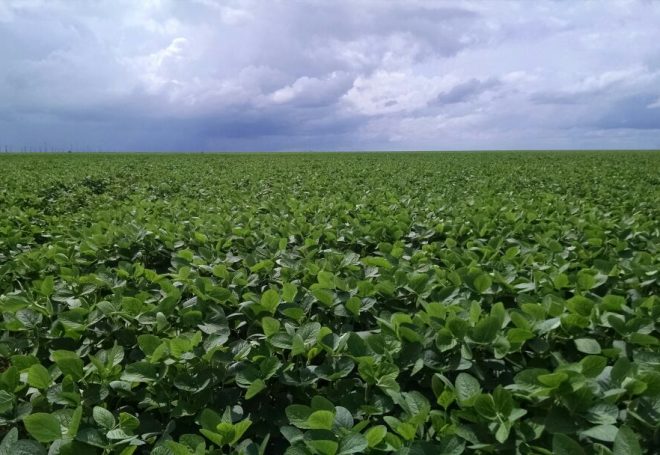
638	112
251	75
466	91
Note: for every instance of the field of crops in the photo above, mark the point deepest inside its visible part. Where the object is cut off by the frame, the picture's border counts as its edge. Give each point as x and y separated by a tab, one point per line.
330	304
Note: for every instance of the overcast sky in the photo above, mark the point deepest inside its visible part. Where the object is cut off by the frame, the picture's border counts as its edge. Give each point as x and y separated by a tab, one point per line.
329	75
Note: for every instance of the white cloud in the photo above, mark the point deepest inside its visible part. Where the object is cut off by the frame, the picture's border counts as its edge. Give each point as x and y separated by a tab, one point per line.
387	92
626	76
158	69
313	91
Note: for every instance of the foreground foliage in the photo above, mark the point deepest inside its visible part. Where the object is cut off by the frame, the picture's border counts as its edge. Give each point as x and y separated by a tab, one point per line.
330	304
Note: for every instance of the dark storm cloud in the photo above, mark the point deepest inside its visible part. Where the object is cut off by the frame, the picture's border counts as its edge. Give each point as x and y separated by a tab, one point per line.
253	75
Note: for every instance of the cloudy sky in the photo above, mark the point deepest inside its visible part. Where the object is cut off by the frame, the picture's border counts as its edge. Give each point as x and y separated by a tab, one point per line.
338	75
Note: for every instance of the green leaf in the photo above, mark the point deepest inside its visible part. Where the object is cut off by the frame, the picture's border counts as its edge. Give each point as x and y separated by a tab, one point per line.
239	429
375	435
47	286
406	430
482	283
587	345
564	445
502	433
148	343
605	433
117	434
270	300
263	265
553	379
270	325
257	386
325	296
467	388
103	417
9	439
585	279
209	419
69	363
352	443
326	279
38	376
214	437
139	372
643	339
626	442
289	291
173	448
580	305
320	403
320	420
593	365
561	281
128	422
74	423
486	330
485	405
6	401
323	446
353	305
298	414
376	261
43	427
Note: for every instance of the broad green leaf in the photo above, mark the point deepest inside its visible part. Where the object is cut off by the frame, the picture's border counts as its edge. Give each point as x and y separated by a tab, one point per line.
326	279
485	405
6	401
47	286
128	422
482	283
585	279
148	343
502	433
467	388
375	435
103	417
325	296
289	292
240	428
270	300
486	330
352	443
564	445
587	345
605	433
270	325
257	386
320	420
74	423
69	363
298	414
626	442
43	427
552	379
375	261
593	365
39	377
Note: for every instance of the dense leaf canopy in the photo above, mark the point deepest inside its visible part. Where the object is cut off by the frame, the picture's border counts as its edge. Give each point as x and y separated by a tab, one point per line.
330	303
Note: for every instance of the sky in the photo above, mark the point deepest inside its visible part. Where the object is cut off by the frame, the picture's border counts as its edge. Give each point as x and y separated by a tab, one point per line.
214	75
